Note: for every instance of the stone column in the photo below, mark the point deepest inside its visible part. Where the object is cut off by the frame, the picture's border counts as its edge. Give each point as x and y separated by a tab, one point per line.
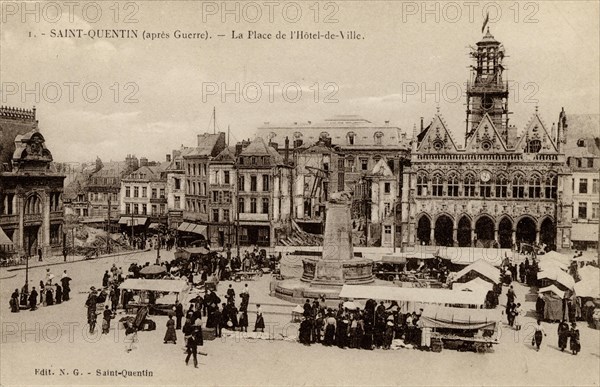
432	236
496	235
537	236
514	237
46	225
455	237
20	207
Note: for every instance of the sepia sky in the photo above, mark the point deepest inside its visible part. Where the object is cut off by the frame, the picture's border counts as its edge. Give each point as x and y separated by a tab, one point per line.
153	90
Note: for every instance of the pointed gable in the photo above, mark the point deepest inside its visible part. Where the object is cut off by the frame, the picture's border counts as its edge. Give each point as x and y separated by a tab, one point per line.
485	138
535	138
382	169
437	138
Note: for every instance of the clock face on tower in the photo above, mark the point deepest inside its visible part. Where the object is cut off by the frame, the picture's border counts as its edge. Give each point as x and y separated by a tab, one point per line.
487	102
485	176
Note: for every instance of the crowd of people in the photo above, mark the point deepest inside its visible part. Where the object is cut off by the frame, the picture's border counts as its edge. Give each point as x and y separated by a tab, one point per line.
375	326
49	293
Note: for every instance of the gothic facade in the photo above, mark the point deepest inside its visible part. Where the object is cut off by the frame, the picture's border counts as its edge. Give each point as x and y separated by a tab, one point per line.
495	189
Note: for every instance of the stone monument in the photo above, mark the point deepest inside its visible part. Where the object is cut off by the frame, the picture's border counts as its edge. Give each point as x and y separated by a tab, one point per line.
336	266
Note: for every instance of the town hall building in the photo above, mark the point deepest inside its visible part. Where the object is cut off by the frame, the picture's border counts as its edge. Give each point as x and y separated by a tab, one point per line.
496	188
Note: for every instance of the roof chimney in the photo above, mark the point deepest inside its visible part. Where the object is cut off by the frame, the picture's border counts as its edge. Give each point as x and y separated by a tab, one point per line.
287	150
421	124
168	158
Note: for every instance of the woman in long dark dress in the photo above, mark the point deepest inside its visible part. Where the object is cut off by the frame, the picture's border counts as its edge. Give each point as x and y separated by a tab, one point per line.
563	335
59	295
49	296
260	321
329	330
341	336
575	344
14	301
171	334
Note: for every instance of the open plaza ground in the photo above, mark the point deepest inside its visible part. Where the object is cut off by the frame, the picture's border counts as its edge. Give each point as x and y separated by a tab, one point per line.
52	346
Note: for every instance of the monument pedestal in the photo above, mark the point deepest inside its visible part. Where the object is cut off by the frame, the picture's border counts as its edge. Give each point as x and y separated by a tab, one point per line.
337	265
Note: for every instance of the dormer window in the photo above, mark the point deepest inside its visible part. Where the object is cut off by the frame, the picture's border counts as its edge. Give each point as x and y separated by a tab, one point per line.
581	143
351	138
378	137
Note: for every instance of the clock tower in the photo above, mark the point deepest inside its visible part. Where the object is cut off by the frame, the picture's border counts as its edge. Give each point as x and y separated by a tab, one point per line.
487	93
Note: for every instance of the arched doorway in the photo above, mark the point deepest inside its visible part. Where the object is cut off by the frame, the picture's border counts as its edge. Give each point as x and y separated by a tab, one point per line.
484	230
443	231
505	233
526	230
548	233
463	234
424	230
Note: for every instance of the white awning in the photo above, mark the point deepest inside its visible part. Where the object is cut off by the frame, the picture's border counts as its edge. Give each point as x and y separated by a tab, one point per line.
175	286
194	228
586	232
183	226
423	295
483	268
467	255
555	274
198	229
136	221
4	239
474	285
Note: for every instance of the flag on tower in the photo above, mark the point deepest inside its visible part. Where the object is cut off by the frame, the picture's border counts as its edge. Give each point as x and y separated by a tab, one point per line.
485	22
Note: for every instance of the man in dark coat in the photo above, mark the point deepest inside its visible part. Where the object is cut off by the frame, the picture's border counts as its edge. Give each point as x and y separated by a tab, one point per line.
193	340
540	303
230	294
178	314
33	299
563	335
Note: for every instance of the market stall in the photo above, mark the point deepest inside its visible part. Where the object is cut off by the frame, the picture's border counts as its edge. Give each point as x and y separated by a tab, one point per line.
412	299
460	328
159	295
557	277
478	269
476	284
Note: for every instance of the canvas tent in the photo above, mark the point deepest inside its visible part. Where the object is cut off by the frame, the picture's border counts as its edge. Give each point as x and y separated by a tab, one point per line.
475	285
468	255
402	257
550	264
555	276
589	286
479	269
553	307
553	289
556	256
459	318
166	286
414	296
